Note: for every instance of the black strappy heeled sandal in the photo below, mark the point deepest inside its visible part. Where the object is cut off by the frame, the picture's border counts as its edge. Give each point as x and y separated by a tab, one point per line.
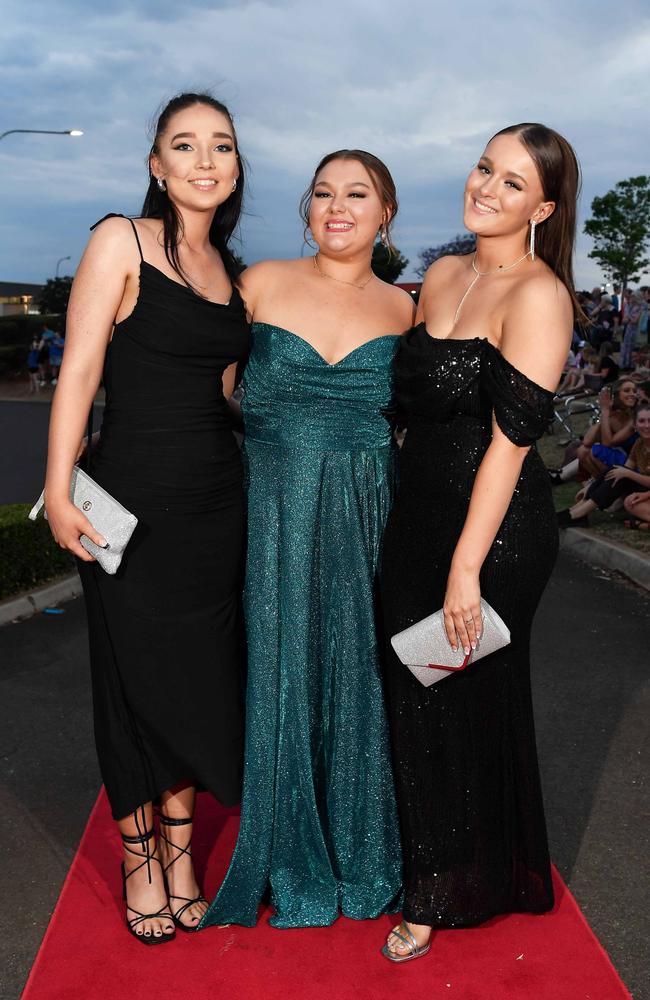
176	915
165	911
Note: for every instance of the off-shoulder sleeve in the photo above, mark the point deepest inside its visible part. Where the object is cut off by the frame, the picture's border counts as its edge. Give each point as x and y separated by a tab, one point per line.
523	409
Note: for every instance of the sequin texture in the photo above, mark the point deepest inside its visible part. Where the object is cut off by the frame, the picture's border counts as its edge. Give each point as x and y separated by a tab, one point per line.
471	813
319	821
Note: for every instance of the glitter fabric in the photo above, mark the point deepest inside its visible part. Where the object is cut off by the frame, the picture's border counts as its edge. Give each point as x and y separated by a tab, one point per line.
466	772
319	823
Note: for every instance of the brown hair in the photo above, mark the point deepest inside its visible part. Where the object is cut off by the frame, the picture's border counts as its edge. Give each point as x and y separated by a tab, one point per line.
559	173
381	179
616	388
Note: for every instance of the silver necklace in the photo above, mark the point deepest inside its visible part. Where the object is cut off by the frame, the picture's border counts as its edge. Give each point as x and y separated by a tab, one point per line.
483	274
341	281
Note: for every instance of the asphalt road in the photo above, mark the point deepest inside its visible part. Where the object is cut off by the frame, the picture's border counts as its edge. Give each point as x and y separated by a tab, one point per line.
23	448
590	647
23	451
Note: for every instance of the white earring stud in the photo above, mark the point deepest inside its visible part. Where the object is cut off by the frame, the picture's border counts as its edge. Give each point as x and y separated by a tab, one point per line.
234	184
161	184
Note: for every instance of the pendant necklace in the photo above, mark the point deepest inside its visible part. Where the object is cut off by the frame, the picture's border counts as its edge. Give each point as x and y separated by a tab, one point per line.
482	274
340	280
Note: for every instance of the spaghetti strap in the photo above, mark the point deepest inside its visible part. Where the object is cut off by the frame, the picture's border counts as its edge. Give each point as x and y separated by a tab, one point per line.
119	215
137	238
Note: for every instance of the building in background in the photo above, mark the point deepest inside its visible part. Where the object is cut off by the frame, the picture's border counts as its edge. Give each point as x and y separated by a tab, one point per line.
18	298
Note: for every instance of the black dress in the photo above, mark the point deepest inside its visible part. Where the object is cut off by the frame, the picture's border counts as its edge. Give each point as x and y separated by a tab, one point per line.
465	761
165	631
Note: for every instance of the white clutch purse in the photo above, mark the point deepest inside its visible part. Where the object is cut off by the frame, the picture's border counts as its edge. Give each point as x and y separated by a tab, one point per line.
424	647
106	514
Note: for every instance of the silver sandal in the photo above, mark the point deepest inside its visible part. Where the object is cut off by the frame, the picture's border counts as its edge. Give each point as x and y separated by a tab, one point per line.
416	951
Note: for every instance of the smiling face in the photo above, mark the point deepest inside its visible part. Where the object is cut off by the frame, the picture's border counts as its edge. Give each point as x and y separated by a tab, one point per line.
346	210
196	157
504	192
627	395
642	422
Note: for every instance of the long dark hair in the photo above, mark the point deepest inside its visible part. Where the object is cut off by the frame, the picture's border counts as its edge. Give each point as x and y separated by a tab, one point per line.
380	176
158	205
559	172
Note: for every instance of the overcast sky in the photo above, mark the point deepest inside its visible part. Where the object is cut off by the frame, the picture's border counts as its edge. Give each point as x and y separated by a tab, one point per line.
420	83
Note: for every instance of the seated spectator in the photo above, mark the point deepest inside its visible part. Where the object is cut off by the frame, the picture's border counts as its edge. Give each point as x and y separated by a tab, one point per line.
607	442
630	479
638	505
607	367
586	362
643	392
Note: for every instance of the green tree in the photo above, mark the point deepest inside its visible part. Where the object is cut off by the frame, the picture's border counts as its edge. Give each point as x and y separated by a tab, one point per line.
461	244
387	265
620	229
54	297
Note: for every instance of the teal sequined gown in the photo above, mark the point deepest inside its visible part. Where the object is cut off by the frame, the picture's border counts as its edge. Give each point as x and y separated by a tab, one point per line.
319	823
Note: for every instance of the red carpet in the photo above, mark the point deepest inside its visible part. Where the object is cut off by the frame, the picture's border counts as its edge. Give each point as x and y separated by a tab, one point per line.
87	953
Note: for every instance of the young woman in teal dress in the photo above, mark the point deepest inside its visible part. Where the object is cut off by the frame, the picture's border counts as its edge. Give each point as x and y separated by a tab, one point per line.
319	824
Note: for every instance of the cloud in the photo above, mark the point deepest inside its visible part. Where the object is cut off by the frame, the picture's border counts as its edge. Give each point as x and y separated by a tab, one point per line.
422	85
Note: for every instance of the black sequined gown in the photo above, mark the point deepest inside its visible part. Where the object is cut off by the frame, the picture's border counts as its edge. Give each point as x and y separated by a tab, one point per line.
465	761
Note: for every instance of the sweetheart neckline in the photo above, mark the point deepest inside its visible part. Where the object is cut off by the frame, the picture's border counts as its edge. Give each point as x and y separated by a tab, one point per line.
328	364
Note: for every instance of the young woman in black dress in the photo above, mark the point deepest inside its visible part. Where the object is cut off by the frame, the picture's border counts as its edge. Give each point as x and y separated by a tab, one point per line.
474	517
155	307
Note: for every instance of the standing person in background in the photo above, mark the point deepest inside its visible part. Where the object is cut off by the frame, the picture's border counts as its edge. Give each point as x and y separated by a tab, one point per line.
46	338
473	518
319	822
33	366
56	356
616	301
155	306
631	322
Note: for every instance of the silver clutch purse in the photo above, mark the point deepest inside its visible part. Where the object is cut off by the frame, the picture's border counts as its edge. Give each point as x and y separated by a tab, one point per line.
424	647
107	515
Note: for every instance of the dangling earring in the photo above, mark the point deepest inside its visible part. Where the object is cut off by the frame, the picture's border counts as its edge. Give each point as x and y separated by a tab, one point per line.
161	184
532	239
234	184
383	236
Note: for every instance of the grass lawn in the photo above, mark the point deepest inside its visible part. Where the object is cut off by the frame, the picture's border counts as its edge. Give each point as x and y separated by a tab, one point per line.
608	525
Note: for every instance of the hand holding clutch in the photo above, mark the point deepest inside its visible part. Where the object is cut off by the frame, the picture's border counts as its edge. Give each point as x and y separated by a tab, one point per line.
424	647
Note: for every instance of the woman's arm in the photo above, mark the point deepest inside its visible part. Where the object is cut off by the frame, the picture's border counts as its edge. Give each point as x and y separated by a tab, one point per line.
96	295
535	340
625	472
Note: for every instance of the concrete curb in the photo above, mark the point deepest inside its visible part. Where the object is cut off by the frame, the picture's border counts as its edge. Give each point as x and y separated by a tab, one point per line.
600	551
584	544
25	605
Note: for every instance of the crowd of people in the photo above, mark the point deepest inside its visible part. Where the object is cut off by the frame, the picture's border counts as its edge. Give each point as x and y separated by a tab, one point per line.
608	369
44	358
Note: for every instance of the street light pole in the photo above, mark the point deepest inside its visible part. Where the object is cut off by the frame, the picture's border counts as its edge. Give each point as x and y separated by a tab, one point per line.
60	261
41	131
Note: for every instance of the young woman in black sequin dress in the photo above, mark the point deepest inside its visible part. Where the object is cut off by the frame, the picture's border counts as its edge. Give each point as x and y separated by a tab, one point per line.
474	517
